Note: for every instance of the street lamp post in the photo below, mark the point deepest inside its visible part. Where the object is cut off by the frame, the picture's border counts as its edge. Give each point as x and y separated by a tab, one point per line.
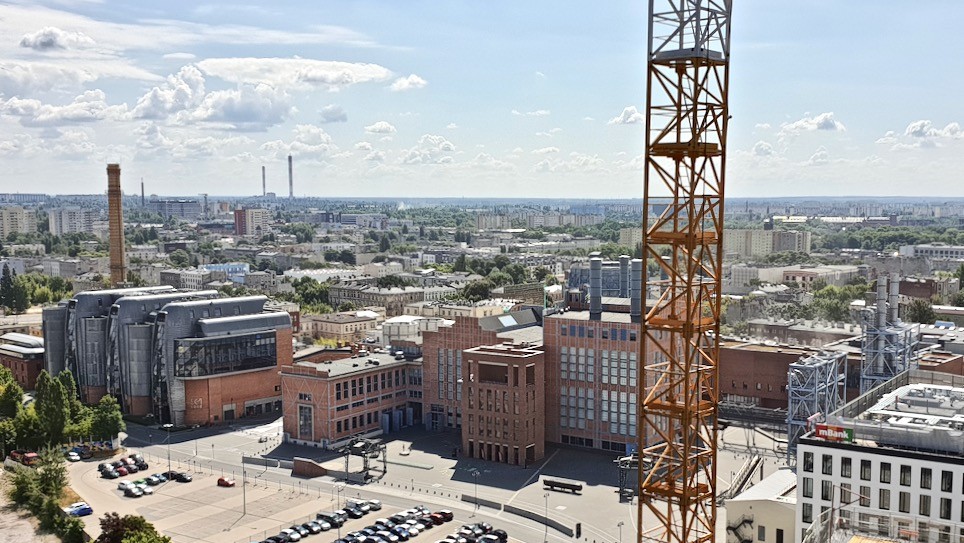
545	521
168	427
620	526
475	479
244	492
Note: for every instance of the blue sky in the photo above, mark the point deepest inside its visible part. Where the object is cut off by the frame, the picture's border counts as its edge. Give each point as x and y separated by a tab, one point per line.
458	98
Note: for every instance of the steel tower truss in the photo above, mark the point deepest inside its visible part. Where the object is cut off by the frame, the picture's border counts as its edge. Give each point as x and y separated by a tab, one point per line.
815	387
687	115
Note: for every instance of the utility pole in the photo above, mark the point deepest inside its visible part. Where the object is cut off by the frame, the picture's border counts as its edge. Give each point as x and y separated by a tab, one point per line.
168	427
545	521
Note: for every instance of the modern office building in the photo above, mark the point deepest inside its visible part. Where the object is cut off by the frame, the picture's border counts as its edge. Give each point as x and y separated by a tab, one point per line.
890	463
186	357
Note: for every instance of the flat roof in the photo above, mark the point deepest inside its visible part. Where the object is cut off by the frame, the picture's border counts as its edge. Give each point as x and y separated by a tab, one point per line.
607	316
529	334
780	486
348	366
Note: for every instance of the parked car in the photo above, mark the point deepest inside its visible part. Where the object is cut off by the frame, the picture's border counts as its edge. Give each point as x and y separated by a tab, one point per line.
133	492
132	468
104	467
446	514
302	531
354	512
73	457
312	527
182	477
142	465
160	477
83	451
171	475
361	505
501	534
375	505
121	470
145	488
152	480
124	485
225	481
109	474
80	509
292	535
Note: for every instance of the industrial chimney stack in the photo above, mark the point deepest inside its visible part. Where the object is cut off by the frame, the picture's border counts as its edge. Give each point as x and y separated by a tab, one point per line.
115	214
595	289
143	201
264	183
291	179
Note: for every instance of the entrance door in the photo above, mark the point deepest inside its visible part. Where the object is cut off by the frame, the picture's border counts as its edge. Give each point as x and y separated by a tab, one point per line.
229	414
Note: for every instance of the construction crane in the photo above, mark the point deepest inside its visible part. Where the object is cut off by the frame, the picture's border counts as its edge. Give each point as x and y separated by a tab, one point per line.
686	122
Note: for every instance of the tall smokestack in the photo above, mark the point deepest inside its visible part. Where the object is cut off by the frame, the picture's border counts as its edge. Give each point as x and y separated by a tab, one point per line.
595	289
143	202
291	179
636	290
264	182
624	276
894	298
115	214
881	301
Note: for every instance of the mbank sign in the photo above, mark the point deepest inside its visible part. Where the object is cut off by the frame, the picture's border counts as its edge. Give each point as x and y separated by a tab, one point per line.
834	433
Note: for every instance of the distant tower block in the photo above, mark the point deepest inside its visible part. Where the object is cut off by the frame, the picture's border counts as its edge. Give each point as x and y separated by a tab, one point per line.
291	179
115	214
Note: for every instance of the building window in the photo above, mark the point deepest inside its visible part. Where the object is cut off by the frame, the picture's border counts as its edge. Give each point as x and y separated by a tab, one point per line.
885	472
904	475
865	470
305	422
884	499
925	506
947	481
808	462
865	496
945	508
807	487
844	493
826	490
304	397
827	464
807	513
845	466
903	502
925	477
337	391
761	533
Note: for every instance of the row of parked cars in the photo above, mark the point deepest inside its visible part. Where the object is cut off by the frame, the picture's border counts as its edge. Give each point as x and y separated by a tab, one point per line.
133	463
140	487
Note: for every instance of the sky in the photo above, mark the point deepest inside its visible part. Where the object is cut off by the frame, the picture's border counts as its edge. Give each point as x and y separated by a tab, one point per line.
496	98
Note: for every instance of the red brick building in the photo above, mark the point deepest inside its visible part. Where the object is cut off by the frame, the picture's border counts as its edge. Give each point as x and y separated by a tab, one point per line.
504	405
327	402
23	355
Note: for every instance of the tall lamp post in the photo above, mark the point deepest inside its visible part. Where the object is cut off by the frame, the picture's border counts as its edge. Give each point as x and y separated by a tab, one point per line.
168	428
620	526
545	522
244	492
475	479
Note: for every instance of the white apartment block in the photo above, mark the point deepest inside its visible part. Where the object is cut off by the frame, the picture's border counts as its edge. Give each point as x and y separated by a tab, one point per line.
15	219
890	464
72	220
933	250
630	237
753	243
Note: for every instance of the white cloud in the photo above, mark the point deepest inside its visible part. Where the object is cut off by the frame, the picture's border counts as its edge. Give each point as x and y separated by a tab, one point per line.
183	90
363	146
381	127
921	134
762	148
762	126
308	140
153	140
87	107
540	75
550	133
819	157
485	161
21	77
576	163
536	113
293	72
179	56
333	114
245	108
889	138
375	156
629	116
452	126
51	37
587	118
823	121
925	129
408	83
545	150
431	149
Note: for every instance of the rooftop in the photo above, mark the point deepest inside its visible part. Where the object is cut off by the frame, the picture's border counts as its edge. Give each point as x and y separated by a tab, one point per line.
347	366
607	316
780	486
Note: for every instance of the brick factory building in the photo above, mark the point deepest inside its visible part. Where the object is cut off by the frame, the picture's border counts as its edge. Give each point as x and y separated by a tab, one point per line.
504	407
23	355
367	393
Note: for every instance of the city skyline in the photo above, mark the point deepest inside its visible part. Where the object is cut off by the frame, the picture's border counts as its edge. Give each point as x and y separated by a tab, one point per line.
477	100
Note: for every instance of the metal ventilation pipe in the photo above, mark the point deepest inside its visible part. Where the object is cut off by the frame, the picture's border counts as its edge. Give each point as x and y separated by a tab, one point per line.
636	290
893	300
881	301
595	289
624	278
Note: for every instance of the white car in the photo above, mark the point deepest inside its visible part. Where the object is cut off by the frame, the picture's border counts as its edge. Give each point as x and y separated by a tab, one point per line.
291	534
387	536
375	505
124	485
325	525
73	457
145	488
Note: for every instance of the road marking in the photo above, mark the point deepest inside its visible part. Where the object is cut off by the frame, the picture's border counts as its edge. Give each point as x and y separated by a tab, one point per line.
534	476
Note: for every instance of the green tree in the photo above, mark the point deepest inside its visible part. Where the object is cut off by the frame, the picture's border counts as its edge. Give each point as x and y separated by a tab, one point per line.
11	400
51	472
384	245
30	432
477	291
958	299
52	408
115	528
77	409
920	310
6	286
179	258
146	537
106	420
460	265
21	297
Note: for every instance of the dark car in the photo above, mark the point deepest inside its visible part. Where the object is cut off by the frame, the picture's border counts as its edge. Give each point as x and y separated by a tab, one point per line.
160	477
312	527
446	514
354	512
302	531
109	474
183	477
402	533
171	475
142	465
133	492
331	518
501	534
486	527
104	467
132	468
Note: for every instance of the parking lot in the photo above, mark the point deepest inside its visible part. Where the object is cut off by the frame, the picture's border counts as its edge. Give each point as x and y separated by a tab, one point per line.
420	471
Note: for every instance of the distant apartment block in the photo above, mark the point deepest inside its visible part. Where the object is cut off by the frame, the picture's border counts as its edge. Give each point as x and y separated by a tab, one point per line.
22	198
630	237
72	220
555	220
344	327
805	275
392	299
17	220
251	221
492	222
938	251
188	209
744	243
378	221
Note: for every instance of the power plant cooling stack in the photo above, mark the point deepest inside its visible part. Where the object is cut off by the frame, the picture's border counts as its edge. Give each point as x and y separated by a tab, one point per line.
291	179
115	213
